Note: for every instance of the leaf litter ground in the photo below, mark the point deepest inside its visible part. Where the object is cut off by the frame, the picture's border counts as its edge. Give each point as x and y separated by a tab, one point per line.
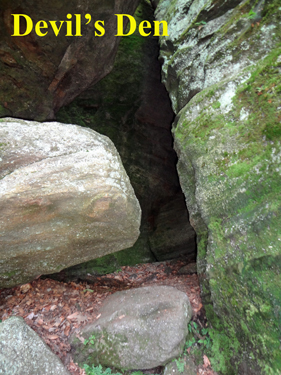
56	309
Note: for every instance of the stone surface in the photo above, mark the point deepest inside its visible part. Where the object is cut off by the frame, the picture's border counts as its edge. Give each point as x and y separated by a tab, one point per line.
64	198
138	329
189	269
209	42
133	109
41	74
184	366
23	352
223	59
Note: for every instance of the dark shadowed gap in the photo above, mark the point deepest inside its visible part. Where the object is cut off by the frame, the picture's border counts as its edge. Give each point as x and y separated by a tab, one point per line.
132	107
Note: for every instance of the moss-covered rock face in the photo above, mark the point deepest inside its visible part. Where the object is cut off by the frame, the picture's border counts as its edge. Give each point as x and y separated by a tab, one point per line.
41	74
133	109
228	140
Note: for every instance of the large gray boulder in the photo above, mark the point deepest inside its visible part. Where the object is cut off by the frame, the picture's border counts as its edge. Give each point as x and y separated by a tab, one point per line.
65	198
138	329
23	352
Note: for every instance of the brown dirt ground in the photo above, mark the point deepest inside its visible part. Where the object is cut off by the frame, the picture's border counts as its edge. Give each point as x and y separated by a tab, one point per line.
55	309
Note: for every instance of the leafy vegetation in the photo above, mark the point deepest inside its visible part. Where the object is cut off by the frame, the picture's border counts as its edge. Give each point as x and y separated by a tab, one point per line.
180	364
200	23
90	340
252	14
99	370
201	336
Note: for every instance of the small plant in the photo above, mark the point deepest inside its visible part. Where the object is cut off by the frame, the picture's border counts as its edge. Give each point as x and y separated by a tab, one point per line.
180	364
90	340
216	105
251	14
200	336
200	23
98	370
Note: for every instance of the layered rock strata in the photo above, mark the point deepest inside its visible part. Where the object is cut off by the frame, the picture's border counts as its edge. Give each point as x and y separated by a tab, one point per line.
65	198
221	66
40	74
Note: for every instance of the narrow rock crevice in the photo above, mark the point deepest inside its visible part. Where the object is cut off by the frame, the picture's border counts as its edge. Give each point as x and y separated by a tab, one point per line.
132	107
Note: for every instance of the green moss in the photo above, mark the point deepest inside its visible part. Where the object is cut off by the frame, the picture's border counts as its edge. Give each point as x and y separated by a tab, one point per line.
216	105
235	157
8	275
103	350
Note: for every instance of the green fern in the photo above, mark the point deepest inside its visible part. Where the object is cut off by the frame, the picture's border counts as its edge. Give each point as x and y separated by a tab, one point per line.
98	370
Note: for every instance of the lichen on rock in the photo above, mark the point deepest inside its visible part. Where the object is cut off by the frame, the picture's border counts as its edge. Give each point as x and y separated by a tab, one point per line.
23	352
137	329
65	198
222	69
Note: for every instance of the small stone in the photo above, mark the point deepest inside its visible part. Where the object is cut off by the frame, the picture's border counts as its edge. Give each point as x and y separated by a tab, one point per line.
189	269
138	329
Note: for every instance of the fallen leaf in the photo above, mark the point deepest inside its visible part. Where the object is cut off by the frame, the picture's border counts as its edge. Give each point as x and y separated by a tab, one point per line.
81	338
53	337
207	363
59	321
73	316
21	311
99	316
30	316
81	318
67	330
46	308
122	316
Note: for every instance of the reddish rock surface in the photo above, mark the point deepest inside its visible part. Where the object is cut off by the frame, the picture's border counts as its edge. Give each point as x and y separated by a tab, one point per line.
41	74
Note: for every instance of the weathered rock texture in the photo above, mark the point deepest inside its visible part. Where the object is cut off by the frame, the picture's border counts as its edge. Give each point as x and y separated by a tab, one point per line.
185	366
41	74
138	329
64	198
23	352
133	109
228	140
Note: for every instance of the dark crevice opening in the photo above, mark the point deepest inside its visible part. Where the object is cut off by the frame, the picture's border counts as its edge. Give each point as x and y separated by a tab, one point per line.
132	107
